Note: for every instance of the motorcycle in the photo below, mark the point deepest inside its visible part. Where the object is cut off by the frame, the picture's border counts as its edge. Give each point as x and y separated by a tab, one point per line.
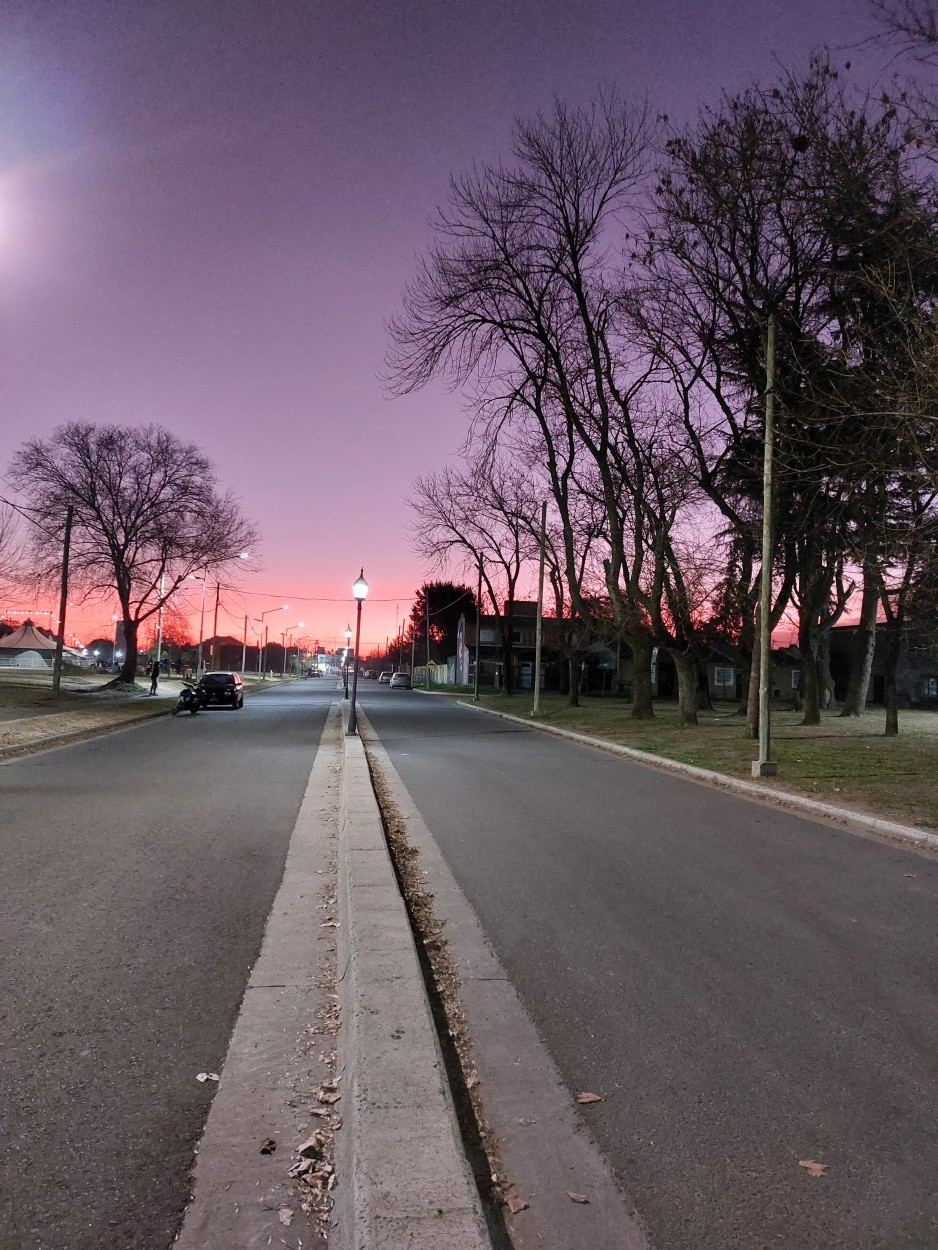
191	698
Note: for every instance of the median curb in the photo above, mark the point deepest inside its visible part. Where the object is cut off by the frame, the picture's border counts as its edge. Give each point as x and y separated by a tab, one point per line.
405	1181
781	798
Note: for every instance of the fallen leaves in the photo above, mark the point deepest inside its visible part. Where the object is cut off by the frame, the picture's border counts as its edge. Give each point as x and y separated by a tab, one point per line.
526	1121
582	1198
285	1215
812	1167
268	1146
515	1203
208	1076
586	1097
313	1146
328	1092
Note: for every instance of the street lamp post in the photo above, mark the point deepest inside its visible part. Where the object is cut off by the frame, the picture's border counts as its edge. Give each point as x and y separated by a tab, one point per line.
287	634
348	647
262	658
359	590
198	664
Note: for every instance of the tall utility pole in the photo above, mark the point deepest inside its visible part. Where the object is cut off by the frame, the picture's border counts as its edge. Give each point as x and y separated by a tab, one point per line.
63	596
426	601
763	766
244	646
215	623
475	693
159	619
536	707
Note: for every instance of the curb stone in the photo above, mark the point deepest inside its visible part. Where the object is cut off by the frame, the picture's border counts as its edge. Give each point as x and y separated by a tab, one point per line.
840	815
405	1182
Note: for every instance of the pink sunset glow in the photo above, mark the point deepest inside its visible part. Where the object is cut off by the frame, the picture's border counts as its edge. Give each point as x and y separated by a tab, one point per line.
208	213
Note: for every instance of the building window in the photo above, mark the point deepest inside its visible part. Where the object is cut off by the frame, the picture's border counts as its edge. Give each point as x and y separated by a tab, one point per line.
486	635
795	678
724	675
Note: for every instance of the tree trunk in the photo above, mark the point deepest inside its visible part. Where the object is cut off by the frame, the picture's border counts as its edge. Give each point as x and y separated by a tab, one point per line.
864	643
641	677
825	677
686	687
704	702
128	671
573	669
891	657
808	646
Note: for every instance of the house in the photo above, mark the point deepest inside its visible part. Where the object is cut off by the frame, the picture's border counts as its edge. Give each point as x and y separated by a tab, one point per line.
916	672
523	643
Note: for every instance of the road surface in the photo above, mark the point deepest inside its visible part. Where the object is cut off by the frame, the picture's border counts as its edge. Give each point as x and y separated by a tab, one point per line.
746	989
138	871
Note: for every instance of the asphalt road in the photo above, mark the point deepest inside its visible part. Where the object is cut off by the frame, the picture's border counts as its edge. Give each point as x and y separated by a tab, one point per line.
745	989
138	871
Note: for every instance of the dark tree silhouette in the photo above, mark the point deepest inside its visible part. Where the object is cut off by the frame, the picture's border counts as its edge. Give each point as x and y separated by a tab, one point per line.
148	513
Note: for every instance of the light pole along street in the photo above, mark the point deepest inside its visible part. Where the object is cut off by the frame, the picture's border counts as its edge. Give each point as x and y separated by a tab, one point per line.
348	647
262	658
359	590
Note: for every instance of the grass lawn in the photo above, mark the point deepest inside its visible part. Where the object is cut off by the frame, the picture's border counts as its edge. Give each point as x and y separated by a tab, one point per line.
846	762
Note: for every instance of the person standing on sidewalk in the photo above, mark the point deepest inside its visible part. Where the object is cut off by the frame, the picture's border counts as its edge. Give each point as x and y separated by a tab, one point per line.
154	676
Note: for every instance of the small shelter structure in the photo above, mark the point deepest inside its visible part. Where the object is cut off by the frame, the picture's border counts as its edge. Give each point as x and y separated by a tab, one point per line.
27	647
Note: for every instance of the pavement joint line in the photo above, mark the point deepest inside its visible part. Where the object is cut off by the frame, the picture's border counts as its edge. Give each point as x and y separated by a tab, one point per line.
270	1069
405	1182
781	798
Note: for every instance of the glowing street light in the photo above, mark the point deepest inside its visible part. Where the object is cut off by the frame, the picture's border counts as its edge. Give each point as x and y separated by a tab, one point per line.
359	590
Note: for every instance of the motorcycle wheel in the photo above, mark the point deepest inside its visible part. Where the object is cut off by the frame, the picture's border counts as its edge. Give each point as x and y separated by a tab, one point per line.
194	709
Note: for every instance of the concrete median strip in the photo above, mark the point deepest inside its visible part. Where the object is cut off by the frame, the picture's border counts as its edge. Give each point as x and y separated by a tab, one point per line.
407	1181
402	1179
243	1194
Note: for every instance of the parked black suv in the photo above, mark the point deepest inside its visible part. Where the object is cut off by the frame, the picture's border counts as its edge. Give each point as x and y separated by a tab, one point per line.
222	688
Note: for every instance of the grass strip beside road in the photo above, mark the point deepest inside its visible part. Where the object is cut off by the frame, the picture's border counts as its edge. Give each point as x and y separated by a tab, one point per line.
30	733
847	762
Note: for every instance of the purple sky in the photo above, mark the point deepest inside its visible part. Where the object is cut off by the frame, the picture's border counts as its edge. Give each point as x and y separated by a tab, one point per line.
208	211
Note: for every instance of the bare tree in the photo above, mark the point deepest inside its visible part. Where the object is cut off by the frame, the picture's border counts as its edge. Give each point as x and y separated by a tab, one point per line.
10	549
776	202
147	514
479	519
517	297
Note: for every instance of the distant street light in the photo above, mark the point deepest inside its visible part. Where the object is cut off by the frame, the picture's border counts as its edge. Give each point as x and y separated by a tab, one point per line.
348	647
262	658
359	590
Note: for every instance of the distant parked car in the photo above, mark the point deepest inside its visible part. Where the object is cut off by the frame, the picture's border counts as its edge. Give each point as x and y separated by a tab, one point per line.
400	681
222	687
384	677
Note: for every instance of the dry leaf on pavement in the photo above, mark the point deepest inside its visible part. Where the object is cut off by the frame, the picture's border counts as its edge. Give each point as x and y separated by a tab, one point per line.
587	1097
813	1168
578	1198
208	1076
268	1146
515	1203
328	1093
526	1122
312	1146
286	1216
